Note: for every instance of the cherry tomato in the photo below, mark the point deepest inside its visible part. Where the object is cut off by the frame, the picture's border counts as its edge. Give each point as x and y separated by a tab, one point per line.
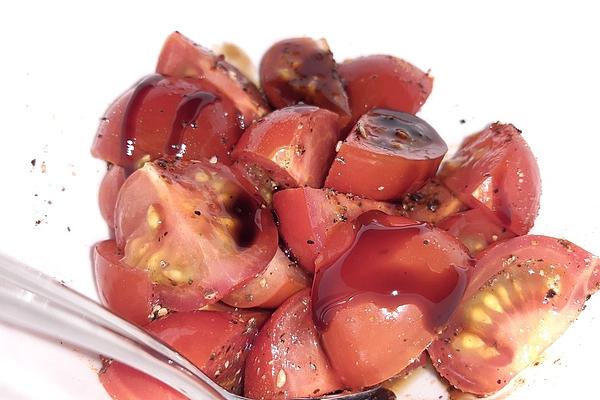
303	70
523	294
182	58
307	217
186	118
381	81
124	290
386	155
281	279
194	229
474	229
496	171
109	190
385	285
431	203
287	360
294	146
216	342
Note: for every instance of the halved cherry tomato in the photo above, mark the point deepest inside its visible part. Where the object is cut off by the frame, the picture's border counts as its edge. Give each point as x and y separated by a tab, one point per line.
381	81
385	285
294	146
387	154
124	290
280	280
496	171
303	70
216	342
431	203
109	190
194	229
182	58
287	360
186	118
523	294
307	216
474	229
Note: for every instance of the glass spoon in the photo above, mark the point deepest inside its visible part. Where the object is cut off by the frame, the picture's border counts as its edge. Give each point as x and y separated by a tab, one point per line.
35	302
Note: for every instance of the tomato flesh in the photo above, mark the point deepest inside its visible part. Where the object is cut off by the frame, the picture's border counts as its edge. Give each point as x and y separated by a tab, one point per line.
496	171
432	203
287	360
383	288
108	192
523	294
194	229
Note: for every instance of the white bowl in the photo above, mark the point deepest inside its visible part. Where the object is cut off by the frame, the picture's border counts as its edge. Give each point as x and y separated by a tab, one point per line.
62	66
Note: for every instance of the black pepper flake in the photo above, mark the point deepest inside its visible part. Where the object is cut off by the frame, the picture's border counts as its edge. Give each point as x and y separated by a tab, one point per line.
38	221
68	229
462	121
310	241
499	382
551	293
426	242
197	212
33	161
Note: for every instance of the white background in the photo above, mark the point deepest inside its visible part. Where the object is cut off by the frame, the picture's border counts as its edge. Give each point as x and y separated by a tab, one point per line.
533	65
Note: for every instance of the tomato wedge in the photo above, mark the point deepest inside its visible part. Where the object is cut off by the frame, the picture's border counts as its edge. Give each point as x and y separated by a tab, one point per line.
216	342
194	230
108	192
302	70
385	285
287	360
496	171
523	294
182	58
382	81
280	280
386	155
307	216
431	203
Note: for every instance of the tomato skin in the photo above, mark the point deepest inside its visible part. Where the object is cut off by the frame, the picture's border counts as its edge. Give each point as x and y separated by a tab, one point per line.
216	342
496	171
280	280
382	81
194	229
163	116
287	360
307	217
474	229
109	190
386	155
303	70
432	203
124	290
382	290
294	145
181	57
523	294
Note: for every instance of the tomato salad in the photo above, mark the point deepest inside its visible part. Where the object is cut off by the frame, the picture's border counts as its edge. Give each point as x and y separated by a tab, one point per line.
265	232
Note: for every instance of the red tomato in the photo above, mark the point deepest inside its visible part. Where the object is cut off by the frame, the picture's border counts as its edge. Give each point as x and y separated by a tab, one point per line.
281	279
216	342
124	290
381	81
474	229
287	360
431	203
523	294
303	70
386	155
307	216
182	58
384	287
496	171
186	118
109	190
194	229
294	146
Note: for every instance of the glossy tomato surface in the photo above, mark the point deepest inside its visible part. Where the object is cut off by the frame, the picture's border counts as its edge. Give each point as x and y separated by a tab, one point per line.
194	229
287	360
523	294
496	171
386	155
307	217
384	286
109	190
216	342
